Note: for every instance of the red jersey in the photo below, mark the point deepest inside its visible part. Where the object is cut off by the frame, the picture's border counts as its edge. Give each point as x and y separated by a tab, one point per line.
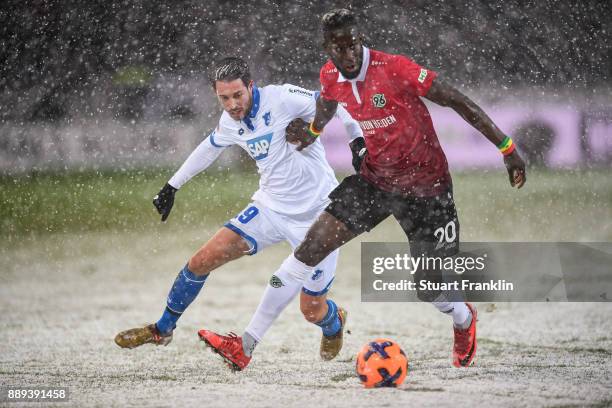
404	154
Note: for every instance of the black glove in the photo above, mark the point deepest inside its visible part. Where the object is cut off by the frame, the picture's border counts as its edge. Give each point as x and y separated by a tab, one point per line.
164	200
359	151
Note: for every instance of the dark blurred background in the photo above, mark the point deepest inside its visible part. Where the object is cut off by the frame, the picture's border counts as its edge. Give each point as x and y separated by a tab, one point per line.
142	63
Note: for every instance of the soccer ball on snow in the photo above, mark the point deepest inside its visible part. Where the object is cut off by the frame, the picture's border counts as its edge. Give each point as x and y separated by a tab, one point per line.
381	363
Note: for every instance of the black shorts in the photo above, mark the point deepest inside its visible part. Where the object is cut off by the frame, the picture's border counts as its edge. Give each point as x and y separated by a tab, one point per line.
430	223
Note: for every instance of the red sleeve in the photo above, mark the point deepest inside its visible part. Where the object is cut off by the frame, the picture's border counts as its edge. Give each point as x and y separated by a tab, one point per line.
327	78
414	77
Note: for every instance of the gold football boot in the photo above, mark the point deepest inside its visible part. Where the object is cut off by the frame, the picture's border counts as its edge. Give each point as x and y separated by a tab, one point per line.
331	346
142	335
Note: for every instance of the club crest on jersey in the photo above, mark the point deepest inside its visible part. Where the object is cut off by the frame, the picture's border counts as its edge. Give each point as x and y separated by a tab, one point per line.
267	118
379	100
317	274
259	146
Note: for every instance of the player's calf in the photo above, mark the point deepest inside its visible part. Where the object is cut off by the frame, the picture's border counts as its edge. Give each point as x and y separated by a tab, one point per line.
313	308
184	290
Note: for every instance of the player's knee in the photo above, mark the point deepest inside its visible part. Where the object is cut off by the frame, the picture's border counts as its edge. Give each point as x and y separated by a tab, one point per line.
198	265
313	310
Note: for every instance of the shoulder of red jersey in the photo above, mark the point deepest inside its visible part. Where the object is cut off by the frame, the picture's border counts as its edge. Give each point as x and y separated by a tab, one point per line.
379	58
391	62
416	77
329	72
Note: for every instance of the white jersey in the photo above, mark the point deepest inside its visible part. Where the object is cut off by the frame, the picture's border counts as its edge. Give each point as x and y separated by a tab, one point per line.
291	181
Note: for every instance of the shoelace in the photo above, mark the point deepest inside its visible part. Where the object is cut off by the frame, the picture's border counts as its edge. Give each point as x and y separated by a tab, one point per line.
157	337
229	342
462	340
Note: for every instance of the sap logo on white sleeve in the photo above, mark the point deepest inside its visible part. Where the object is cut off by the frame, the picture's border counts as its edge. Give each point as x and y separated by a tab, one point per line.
259	146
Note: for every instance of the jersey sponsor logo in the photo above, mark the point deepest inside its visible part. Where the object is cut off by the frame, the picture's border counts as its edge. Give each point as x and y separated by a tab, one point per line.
378	63
275	282
422	75
300	92
330	71
267	118
379	100
259	146
377	123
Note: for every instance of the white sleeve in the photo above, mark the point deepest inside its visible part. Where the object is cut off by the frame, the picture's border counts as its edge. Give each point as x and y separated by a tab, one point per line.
299	102
351	125
203	156
302	103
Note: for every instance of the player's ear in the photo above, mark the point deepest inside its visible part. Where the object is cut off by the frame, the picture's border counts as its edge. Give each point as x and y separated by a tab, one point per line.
362	39
250	85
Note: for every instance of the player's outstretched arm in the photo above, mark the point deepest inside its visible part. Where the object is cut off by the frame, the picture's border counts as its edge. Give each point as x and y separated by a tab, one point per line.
203	156
444	94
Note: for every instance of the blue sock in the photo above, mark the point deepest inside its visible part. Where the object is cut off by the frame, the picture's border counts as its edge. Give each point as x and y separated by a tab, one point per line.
331	322
186	287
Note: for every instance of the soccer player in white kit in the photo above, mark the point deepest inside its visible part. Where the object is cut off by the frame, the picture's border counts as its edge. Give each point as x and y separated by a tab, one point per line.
293	191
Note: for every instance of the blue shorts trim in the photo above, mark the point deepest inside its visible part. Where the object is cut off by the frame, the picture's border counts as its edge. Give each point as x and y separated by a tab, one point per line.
321	292
244	235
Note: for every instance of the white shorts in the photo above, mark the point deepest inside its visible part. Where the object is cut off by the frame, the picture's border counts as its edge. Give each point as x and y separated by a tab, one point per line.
261	227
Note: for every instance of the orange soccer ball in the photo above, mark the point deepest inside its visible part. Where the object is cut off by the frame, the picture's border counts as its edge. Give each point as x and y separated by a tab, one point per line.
382	363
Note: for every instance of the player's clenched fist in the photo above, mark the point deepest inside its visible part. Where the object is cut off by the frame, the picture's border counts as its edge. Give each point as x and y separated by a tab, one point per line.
516	169
297	134
164	200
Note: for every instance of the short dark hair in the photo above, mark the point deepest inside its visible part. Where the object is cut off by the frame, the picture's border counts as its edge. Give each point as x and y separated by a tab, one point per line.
337	19
229	69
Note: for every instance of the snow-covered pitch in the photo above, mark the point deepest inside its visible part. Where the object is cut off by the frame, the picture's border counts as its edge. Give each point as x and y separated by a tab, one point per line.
65	296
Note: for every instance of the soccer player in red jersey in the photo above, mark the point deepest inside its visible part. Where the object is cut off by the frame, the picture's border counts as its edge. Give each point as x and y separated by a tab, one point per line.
401	168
